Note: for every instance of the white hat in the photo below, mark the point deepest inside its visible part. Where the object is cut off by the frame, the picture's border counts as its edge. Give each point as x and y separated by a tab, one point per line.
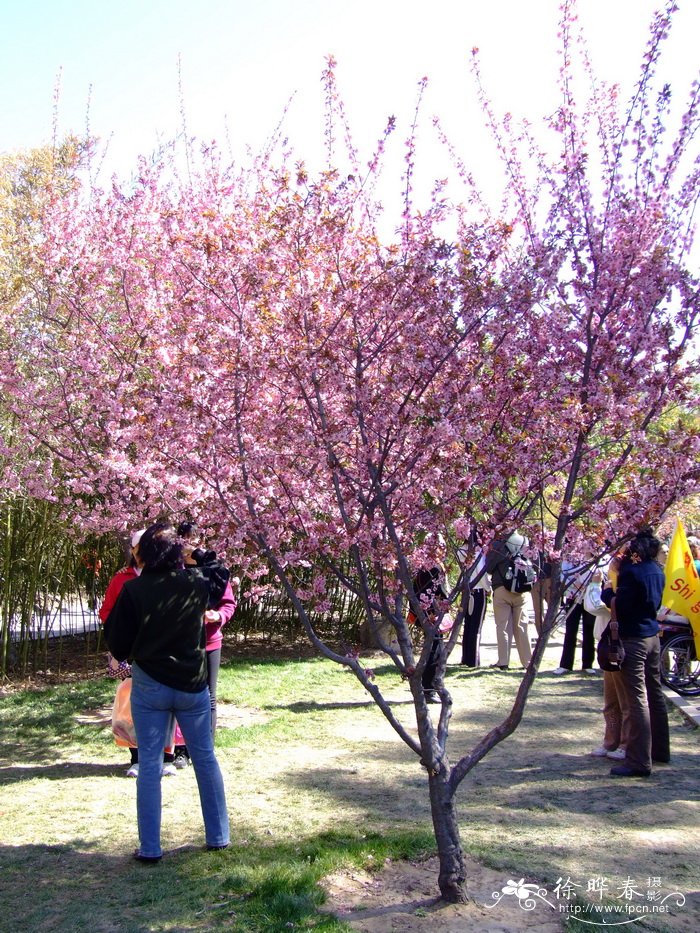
136	537
515	543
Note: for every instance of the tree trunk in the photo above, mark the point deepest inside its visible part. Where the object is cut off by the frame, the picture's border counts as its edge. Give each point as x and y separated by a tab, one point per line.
453	874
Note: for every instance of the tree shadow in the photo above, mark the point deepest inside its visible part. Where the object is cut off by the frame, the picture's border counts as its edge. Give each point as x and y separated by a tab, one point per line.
76	887
59	771
312	706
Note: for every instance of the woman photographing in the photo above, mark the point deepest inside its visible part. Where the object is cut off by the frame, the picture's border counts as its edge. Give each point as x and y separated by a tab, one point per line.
158	623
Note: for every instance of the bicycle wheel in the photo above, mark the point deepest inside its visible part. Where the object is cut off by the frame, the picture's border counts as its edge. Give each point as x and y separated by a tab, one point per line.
680	668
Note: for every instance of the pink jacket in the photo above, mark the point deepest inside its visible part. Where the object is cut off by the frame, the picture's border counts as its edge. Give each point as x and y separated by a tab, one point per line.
225	608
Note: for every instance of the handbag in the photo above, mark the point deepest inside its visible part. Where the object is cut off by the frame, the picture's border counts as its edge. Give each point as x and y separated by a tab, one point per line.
122	723
611	651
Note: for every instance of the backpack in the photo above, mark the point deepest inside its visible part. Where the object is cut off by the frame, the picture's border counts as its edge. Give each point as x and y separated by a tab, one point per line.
520	574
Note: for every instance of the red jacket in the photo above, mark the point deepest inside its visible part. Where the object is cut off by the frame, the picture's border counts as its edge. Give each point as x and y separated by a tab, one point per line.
114	588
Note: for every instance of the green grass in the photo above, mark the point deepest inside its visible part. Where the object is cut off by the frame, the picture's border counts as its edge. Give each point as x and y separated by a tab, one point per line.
317	782
38	721
261	888
278	888
68	869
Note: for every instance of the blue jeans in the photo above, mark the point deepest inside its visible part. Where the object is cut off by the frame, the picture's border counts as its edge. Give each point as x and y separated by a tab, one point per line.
153	708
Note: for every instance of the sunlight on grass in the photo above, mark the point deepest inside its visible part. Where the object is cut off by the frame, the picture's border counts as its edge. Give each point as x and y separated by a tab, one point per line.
266	881
317	782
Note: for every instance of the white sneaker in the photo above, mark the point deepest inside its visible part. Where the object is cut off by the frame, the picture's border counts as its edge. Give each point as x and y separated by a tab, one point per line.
133	770
618	754
589	670
600	752
561	670
168	769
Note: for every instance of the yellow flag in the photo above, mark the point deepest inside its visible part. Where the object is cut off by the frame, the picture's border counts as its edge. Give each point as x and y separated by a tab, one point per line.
682	590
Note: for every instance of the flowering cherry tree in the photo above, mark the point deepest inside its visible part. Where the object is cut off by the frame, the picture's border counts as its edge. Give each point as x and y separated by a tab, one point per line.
244	345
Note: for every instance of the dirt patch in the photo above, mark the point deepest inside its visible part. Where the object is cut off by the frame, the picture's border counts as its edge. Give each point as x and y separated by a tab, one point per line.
402	897
69	659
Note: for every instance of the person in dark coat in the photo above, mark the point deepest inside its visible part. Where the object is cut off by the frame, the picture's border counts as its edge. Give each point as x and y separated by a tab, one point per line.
479	590
158	624
637	598
430	590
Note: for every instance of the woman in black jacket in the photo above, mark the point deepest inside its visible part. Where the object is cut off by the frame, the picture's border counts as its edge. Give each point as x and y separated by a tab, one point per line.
158	624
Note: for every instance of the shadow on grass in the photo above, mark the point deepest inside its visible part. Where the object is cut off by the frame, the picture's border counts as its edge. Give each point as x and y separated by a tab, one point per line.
535	778
59	771
528	786
34	723
244	665
253	887
312	706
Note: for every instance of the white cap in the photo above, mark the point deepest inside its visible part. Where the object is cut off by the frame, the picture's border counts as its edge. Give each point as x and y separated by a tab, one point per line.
136	537
515	542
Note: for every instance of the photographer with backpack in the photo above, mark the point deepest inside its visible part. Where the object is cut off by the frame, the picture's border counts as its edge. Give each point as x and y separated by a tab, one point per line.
512	576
